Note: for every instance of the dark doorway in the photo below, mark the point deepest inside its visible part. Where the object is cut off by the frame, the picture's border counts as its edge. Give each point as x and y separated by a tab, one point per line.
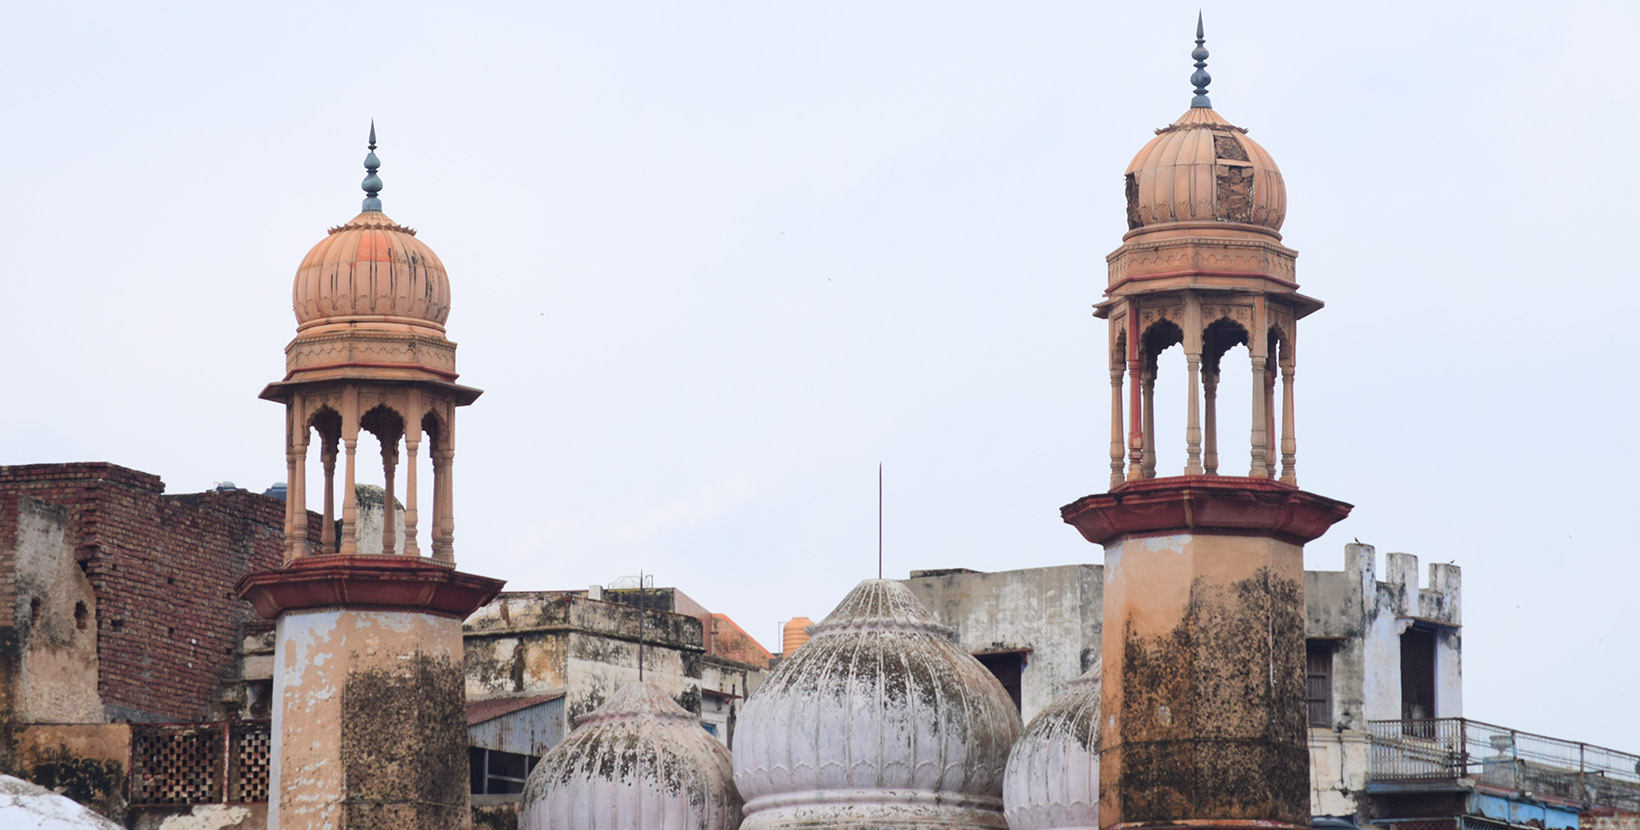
1007	666
1417	674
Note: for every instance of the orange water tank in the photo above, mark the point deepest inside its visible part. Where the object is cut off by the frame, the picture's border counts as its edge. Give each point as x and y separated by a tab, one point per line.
794	634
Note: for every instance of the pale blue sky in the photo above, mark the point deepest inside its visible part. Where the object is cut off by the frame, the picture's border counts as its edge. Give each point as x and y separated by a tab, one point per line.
714	261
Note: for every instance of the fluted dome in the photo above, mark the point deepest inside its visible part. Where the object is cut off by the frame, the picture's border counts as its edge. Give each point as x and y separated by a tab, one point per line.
1201	168
638	761
1052	781
372	270
879	720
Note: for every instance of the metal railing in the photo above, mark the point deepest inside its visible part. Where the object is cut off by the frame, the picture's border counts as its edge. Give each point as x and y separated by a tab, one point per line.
1504	758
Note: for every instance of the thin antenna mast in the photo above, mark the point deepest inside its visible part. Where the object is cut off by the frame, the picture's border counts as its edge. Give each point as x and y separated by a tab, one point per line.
879	520
641	614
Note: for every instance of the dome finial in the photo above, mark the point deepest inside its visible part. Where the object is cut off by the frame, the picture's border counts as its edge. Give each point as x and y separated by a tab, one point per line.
372	183
1200	77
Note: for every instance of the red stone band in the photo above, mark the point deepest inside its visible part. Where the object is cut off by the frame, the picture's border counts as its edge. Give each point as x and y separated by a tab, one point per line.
1230	505
403	583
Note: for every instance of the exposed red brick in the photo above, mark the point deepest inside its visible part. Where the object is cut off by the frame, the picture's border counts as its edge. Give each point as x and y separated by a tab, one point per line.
163	569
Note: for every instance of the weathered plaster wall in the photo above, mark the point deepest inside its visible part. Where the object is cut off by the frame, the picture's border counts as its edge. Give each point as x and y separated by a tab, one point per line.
369	724
1364	619
162	569
1052	614
371	502
1203	656
55	608
203	817
88	763
529	643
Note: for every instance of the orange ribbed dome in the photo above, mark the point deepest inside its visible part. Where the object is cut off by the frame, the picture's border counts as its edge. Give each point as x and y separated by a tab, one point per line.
372	270
1201	168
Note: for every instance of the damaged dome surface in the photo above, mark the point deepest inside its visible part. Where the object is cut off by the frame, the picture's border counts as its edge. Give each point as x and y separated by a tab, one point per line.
1052	781
640	760
879	720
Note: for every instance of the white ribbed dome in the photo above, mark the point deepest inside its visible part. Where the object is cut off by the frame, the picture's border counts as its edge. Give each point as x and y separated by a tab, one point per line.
638	761
1053	773
879	720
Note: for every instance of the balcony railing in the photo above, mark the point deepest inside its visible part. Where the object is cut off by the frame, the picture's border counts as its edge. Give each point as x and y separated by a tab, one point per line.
1506	759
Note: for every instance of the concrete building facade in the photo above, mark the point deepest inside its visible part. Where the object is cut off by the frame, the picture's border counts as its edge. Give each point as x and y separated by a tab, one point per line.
1362	636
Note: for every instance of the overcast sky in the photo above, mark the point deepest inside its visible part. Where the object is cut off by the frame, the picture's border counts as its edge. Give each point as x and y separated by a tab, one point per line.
713	261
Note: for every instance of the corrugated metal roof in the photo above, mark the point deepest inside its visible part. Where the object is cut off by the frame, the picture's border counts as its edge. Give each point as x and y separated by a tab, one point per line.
479	711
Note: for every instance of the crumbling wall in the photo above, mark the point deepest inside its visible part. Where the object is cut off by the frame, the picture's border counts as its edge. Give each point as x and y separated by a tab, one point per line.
1053	615
1364	619
162	570
371	503
368	722
54	607
202	817
88	763
528	643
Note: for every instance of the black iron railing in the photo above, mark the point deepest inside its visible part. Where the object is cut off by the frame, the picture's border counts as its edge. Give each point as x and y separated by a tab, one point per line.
1504	758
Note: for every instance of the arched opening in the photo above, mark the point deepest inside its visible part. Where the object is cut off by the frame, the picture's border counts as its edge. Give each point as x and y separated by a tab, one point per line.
432	467
1165	395
1227	398
378	513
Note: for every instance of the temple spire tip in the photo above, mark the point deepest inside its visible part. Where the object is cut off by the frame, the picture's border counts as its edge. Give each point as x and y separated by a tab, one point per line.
372	183
1200	79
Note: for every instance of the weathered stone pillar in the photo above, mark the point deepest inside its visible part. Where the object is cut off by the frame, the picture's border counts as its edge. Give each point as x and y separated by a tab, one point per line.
1116	441
1147	383
1210	417
1203	718
369	724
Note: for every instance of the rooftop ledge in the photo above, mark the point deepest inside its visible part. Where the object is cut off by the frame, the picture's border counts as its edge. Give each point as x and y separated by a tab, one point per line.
379	583
1221	505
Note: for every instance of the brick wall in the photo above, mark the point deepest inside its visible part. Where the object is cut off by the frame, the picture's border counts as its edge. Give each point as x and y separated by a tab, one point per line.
163	569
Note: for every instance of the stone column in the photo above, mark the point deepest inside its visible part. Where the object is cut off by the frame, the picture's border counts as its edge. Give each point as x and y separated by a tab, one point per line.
296	493
1210	444
1257	343
1193	429
1203	704
369	722
350	494
1116	441
1289	444
441	478
1270	415
1147	383
411	441
390	459
327	454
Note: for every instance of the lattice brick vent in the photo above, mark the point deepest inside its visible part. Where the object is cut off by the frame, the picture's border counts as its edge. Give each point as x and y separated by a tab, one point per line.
177	764
248	758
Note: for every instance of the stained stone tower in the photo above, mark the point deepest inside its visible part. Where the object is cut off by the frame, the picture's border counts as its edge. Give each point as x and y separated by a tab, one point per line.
1203	691
368	716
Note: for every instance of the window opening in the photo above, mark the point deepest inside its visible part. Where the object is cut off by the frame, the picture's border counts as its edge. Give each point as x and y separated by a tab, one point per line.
1318	660
1008	667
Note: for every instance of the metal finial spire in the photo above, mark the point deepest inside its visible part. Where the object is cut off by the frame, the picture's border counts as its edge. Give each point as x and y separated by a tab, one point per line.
1200	77
372	183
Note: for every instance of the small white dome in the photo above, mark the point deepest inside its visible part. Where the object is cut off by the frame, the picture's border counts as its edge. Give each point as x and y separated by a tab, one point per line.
26	805
1053	773
878	720
638	761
